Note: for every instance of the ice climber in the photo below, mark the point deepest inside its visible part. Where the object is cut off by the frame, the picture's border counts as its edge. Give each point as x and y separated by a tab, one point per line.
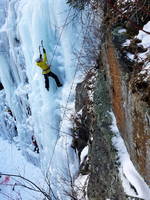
42	63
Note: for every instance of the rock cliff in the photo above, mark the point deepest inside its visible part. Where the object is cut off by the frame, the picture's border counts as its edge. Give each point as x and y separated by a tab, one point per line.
121	86
114	88
128	97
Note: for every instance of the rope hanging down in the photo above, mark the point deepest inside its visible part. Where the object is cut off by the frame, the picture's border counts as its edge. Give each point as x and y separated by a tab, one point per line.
63	27
65	108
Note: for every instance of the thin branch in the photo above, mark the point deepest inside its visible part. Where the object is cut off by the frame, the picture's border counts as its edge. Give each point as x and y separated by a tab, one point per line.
29	181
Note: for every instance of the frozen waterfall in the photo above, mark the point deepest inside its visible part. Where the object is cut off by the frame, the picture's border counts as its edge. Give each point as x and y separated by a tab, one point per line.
26	106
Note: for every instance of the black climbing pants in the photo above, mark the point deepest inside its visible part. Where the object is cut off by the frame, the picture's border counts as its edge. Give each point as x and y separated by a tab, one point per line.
51	74
1	86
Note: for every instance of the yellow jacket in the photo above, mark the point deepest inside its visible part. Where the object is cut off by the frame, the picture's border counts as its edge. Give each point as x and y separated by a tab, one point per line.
43	65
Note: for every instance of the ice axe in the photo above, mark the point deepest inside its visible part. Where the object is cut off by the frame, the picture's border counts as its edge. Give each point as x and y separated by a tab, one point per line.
41	46
39	49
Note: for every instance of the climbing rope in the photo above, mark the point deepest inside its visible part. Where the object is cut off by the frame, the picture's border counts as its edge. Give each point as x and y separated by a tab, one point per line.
71	88
63	27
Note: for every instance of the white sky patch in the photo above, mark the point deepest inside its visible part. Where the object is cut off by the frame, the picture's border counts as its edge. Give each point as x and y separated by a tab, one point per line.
127	170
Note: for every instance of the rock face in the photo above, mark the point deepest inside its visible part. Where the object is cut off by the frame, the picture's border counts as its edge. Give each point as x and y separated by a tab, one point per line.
84	118
93	129
130	103
104	181
122	90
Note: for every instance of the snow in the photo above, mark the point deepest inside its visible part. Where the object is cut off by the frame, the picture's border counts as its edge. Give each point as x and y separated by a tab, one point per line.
128	173
122	30
145	42
130	56
80	187
126	43
79	113
84	153
144	36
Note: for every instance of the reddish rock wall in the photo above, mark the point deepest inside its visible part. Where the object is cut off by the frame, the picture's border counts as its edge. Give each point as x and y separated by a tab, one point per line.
132	114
